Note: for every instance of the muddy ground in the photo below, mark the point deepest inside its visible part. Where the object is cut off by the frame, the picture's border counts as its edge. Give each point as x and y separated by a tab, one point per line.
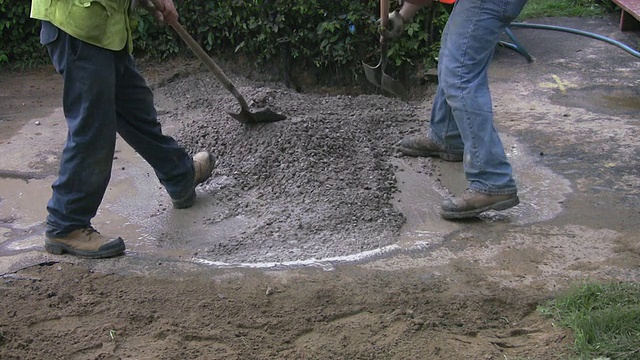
327	182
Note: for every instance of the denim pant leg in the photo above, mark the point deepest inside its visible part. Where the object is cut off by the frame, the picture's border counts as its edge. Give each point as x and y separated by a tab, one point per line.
444	130
469	40
88	103
138	125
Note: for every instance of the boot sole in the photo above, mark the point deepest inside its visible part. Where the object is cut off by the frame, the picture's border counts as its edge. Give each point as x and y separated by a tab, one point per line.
59	249
499	206
427	153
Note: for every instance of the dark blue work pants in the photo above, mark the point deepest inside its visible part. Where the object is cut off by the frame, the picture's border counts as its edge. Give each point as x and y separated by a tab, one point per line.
104	94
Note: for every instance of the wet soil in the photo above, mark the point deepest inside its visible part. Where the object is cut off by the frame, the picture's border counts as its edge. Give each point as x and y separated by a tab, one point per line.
65	311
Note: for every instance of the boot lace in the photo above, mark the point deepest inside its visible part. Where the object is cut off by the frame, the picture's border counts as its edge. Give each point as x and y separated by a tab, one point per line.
90	230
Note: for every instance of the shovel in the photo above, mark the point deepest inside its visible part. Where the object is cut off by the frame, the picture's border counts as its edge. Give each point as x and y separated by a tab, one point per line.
245	116
376	74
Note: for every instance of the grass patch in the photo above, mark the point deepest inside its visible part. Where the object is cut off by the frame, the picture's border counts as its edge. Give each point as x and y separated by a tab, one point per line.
605	319
565	8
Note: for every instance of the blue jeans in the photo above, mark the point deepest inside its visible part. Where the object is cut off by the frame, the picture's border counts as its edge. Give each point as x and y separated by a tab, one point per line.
462	115
104	94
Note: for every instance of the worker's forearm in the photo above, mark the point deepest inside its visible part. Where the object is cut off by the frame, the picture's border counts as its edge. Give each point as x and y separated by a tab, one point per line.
411	7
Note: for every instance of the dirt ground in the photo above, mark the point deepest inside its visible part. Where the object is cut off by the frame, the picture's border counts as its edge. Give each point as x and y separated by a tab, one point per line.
69	311
323	177
64	311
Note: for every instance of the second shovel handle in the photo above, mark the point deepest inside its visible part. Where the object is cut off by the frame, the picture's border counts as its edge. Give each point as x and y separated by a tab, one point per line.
384	13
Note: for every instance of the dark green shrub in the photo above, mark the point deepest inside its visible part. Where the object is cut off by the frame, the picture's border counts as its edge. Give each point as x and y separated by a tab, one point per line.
19	34
328	37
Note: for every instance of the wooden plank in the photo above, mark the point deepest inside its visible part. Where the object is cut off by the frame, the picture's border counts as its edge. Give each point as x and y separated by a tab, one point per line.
630	6
630	15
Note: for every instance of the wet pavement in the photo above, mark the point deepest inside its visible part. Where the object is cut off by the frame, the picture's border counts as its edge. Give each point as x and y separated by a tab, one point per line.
569	122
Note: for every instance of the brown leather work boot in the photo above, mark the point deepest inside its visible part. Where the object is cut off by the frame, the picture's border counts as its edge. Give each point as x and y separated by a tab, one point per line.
473	203
423	146
203	163
86	243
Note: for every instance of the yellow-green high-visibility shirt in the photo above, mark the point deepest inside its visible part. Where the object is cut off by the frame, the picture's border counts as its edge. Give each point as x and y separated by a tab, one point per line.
104	23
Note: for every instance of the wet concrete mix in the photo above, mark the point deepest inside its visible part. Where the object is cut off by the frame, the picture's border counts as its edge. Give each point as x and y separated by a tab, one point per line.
316	182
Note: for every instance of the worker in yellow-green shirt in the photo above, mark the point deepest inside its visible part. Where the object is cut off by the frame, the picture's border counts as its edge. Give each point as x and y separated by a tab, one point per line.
89	42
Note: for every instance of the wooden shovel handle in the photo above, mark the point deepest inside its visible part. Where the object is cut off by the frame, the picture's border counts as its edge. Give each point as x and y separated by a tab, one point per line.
202	55
384	13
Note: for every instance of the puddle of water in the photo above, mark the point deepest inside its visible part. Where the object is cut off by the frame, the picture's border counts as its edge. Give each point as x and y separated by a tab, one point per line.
23	211
25	201
419	200
602	99
542	192
625	103
423	183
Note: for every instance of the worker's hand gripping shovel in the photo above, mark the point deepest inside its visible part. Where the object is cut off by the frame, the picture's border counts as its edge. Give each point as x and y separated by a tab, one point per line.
376	74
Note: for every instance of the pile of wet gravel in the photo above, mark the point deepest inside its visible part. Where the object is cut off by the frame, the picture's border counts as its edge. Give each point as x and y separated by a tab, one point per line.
318	184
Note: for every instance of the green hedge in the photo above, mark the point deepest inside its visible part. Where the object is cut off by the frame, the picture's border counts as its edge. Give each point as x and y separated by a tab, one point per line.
19	35
330	37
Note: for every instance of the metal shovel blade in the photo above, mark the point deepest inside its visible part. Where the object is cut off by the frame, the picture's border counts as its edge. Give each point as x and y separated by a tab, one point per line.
393	86
262	116
377	76
373	73
245	116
